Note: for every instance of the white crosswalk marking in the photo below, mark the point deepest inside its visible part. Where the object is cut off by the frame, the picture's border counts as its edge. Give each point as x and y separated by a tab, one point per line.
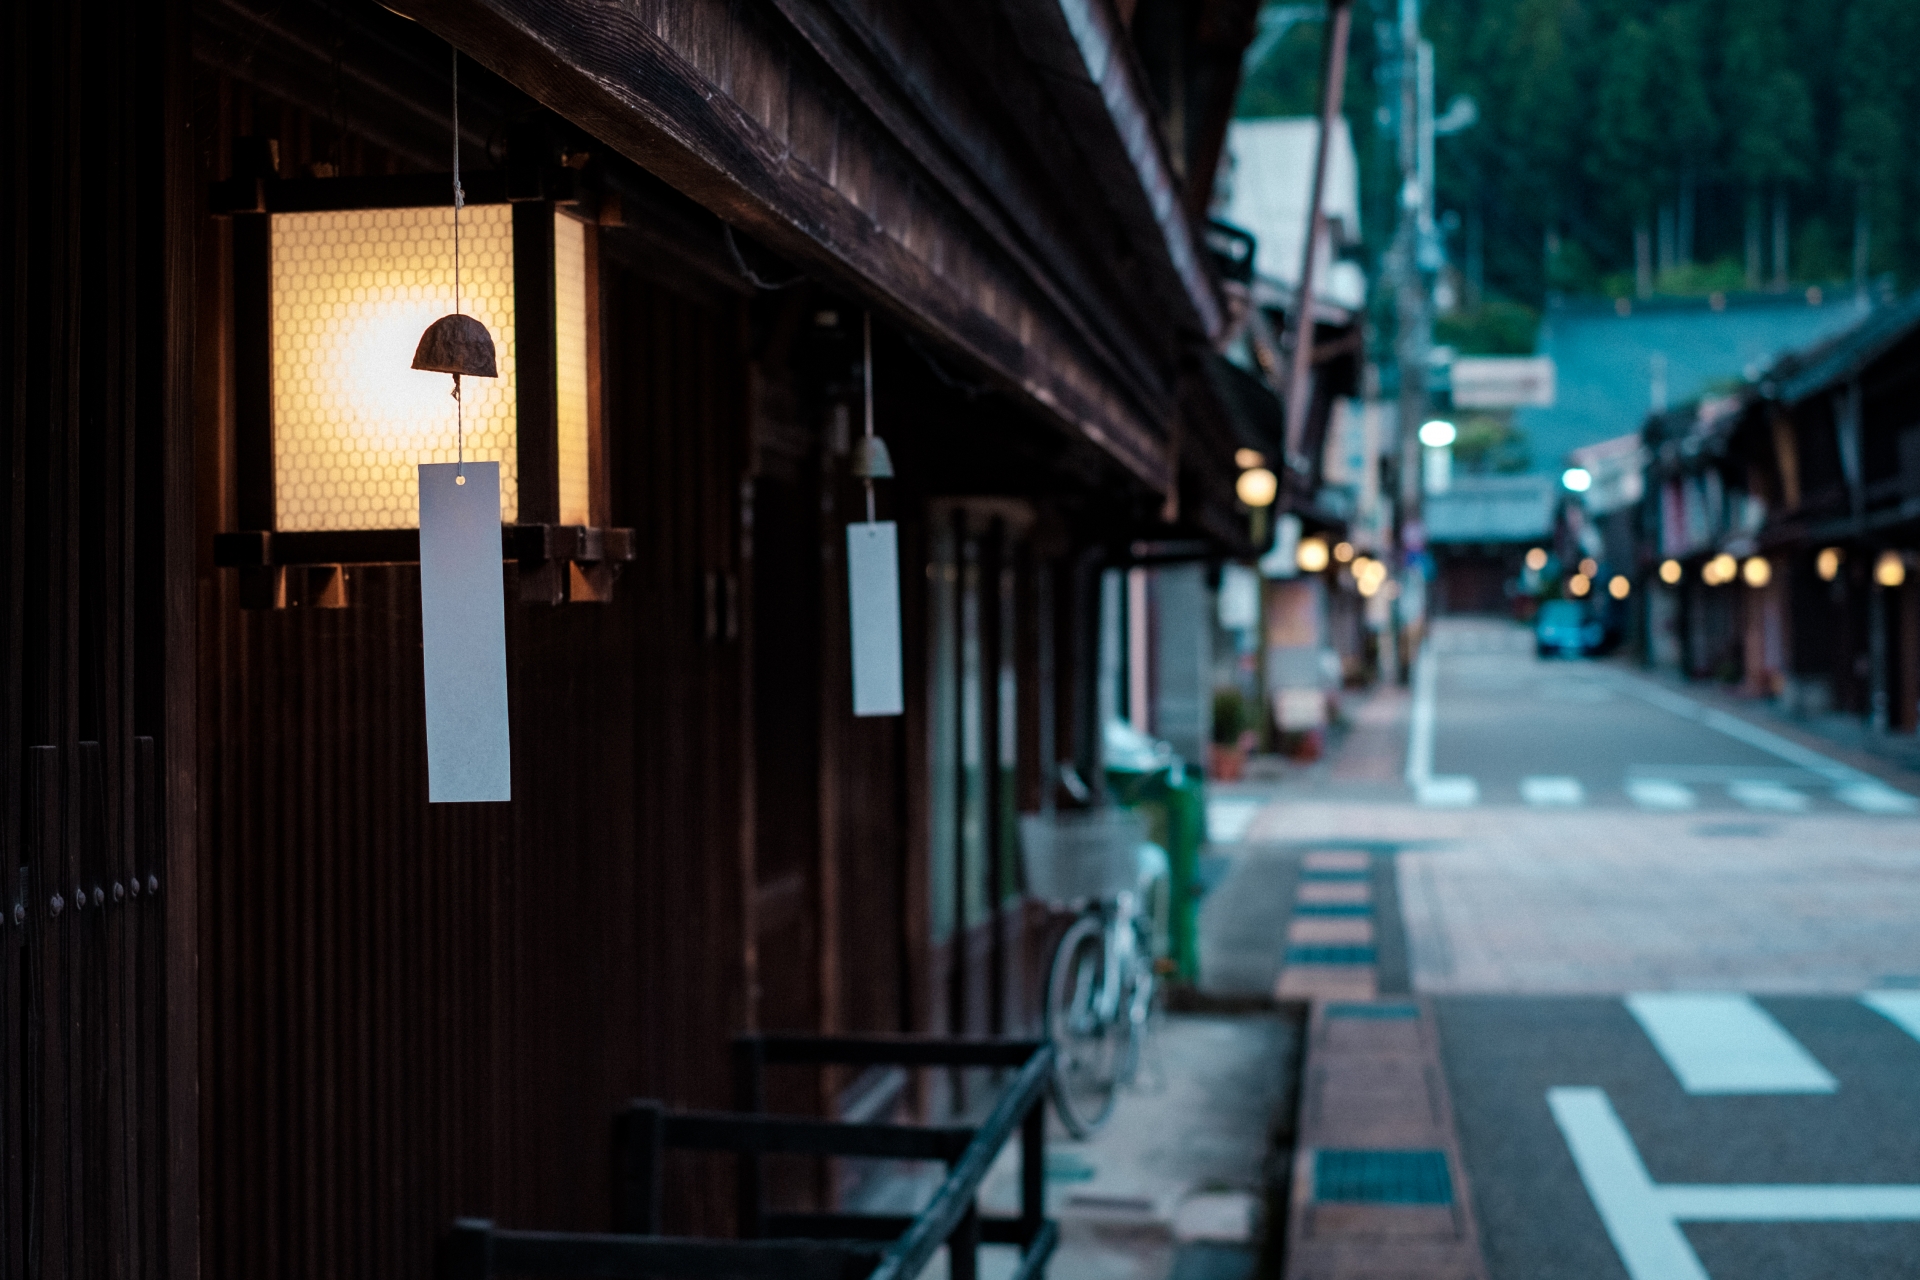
1660	793
1873	798
1228	820
1448	792
1552	792
1723	1042
1771	796
1902	1008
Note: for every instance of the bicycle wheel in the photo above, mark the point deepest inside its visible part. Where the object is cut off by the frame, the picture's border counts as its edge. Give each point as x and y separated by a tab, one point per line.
1137	1002
1082	1030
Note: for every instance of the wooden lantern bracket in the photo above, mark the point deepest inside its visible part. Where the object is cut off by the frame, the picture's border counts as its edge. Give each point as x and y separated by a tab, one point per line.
558	563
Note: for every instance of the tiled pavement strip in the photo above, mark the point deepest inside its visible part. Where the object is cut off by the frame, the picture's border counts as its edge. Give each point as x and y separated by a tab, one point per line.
1379	1190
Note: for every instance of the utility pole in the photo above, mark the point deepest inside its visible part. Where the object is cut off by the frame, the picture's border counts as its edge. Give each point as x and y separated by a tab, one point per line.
1300	369
1414	325
1333	70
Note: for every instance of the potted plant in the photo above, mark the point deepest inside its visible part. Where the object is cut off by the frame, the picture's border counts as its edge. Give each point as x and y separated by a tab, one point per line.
1227	756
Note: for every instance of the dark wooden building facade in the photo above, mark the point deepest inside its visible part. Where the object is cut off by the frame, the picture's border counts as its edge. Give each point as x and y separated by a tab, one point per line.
1807	480
266	1011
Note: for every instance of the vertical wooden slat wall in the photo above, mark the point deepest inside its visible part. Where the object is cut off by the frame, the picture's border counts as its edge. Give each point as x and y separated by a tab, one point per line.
91	428
414	1013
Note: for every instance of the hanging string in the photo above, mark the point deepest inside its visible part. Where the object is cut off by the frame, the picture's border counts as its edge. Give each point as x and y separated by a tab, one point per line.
459	199
866	368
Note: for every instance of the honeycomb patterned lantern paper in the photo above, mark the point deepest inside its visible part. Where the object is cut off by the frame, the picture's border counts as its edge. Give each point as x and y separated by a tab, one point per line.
352	292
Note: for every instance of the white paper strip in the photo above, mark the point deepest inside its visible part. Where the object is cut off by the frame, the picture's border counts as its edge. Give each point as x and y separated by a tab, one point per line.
463	632
873	598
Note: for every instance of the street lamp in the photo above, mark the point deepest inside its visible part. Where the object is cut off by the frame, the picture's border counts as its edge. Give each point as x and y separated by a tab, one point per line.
1438	434
1313	555
1577	479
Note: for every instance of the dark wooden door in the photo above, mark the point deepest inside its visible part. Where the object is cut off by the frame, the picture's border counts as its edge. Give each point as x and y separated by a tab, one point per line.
94	873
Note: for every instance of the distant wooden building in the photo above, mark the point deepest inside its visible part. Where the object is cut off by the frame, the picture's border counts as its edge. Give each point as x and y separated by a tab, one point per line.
1788	517
263	1011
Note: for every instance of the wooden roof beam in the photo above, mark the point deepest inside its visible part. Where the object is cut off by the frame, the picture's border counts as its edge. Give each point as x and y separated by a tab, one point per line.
723	103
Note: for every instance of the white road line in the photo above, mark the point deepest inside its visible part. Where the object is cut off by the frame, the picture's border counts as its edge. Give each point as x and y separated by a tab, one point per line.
1646	1236
1660	793
1552	792
1875	798
1789	1202
1774	797
1902	1008
1852	786
1450	792
1722	1042
1643	1218
1420	721
1228	820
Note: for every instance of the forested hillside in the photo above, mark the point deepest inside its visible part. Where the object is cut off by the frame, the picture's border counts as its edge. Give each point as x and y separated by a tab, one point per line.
1635	146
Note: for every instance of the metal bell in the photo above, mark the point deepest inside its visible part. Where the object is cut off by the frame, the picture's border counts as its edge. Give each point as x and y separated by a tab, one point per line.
871	461
456	344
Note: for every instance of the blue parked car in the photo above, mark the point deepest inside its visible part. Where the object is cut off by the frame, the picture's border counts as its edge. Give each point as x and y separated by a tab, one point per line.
1567	628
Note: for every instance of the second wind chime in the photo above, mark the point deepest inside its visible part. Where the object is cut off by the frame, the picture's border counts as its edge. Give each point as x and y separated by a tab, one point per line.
873	571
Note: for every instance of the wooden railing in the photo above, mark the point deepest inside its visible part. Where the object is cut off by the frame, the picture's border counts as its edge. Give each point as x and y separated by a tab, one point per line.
805	1246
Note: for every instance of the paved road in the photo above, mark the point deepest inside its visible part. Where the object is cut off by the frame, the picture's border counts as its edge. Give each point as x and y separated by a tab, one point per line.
1507	1058
1508	728
1676	962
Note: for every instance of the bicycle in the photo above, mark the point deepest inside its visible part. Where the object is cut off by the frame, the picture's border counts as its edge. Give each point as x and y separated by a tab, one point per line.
1102	982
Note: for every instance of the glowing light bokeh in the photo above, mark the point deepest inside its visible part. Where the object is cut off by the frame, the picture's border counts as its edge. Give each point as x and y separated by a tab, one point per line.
1257	487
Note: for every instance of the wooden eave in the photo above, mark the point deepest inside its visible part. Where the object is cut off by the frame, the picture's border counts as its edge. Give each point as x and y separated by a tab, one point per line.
1086	54
732	106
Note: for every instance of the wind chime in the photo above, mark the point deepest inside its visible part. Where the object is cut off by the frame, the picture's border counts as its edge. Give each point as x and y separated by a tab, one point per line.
873	571
462	596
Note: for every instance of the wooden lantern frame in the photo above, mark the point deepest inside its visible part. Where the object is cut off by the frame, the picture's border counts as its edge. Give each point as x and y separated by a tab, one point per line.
558	562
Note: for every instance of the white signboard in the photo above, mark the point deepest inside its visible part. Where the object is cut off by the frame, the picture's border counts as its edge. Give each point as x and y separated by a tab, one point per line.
873	601
1504	382
463	634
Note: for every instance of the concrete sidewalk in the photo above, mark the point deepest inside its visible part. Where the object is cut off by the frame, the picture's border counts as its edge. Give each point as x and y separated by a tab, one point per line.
1179	1169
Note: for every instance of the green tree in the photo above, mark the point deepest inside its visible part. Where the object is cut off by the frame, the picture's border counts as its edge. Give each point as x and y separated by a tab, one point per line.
1872	154
1628	161
1771	113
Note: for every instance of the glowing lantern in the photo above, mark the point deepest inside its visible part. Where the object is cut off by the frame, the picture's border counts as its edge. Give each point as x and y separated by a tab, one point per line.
339	283
1827	564
1619	588
1671	572
1890	570
1757	572
1312	556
